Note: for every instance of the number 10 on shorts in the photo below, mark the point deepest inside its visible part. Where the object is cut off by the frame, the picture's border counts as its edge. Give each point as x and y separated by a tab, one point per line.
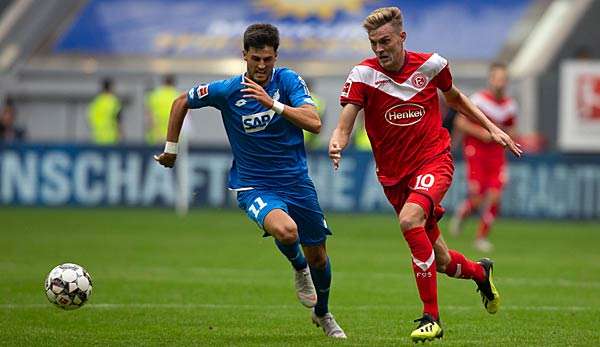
424	182
257	206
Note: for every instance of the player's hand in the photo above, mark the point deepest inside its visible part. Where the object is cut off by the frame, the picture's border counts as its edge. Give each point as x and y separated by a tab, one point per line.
335	154
166	159
506	141
255	91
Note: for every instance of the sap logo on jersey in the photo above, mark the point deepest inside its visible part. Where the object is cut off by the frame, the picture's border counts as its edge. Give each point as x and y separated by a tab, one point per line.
405	114
258	121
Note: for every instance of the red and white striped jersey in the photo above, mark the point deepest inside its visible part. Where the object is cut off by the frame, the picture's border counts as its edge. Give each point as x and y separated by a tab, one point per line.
402	113
500	111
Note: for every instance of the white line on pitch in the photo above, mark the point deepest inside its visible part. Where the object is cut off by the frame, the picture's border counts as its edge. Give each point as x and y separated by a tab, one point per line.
345	308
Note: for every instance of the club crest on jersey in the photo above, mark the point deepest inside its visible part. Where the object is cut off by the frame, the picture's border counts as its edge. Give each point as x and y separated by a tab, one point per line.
405	114
346	88
419	80
258	121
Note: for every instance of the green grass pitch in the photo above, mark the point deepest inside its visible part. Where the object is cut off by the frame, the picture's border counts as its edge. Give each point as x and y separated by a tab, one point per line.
210	279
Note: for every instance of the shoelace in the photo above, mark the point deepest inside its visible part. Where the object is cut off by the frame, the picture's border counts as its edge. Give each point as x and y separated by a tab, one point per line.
422	321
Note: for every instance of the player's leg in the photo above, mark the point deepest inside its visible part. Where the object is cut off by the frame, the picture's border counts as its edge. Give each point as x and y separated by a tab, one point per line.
312	230
412	222
269	211
489	212
282	227
473	200
456	265
425	190
285	231
320	268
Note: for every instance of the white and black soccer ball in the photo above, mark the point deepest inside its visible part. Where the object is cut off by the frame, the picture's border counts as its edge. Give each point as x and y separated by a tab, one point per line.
68	286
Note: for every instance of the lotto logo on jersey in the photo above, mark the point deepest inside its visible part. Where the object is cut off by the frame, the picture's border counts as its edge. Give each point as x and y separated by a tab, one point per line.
346	88
258	121
405	114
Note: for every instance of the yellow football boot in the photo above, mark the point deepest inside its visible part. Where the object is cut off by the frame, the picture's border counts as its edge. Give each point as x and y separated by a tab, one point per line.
428	330
489	294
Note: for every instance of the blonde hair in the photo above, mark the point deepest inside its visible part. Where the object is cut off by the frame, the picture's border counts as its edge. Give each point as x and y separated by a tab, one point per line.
382	16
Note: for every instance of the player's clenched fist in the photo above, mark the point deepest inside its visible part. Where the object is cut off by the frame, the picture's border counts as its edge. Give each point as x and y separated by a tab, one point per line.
166	159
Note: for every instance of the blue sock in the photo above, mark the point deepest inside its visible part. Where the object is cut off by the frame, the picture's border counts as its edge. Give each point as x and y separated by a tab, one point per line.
293	253
322	280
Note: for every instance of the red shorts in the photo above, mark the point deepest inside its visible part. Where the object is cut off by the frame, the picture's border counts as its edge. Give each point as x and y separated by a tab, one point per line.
485	172
426	187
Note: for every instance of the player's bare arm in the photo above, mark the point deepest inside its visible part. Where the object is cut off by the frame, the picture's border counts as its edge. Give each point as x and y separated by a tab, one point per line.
468	128
511	131
341	134
178	111
304	117
460	102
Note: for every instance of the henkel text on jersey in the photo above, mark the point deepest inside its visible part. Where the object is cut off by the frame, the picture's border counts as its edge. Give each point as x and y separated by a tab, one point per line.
402	115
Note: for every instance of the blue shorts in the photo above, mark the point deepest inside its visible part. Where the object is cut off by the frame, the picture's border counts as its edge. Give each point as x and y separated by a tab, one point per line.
298	201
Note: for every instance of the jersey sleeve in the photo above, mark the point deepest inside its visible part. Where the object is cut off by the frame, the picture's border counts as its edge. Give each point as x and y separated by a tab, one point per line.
444	79
205	95
353	91
297	91
511	120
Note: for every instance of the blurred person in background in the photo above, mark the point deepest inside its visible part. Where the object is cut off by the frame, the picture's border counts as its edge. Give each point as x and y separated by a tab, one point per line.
264	112
9	132
313	141
104	116
485	160
398	91
361	138
158	106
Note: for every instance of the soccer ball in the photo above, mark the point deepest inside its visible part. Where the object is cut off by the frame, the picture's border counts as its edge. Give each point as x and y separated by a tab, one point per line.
68	286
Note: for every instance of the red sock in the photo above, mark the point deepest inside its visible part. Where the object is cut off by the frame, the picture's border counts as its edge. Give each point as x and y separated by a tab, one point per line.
487	219
461	267
424	268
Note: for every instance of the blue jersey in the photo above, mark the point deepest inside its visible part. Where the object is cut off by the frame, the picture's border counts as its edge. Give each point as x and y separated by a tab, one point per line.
268	150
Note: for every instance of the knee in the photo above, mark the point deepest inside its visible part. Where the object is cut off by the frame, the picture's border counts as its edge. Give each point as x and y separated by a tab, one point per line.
317	260
442	259
410	221
286	233
494	196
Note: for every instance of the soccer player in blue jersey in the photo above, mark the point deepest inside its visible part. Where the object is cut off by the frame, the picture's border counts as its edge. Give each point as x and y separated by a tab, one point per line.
264	112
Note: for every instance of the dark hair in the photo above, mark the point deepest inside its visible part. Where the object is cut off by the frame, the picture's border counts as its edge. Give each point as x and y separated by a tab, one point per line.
169	79
261	35
106	84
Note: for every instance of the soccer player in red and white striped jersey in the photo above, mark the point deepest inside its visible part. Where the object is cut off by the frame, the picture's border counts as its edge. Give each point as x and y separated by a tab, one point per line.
485	159
398	91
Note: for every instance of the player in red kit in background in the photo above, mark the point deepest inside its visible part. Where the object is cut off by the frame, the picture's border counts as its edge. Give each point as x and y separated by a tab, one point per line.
484	158
398	91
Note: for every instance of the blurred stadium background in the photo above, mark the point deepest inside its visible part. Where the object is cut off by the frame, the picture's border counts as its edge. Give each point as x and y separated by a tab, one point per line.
55	53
